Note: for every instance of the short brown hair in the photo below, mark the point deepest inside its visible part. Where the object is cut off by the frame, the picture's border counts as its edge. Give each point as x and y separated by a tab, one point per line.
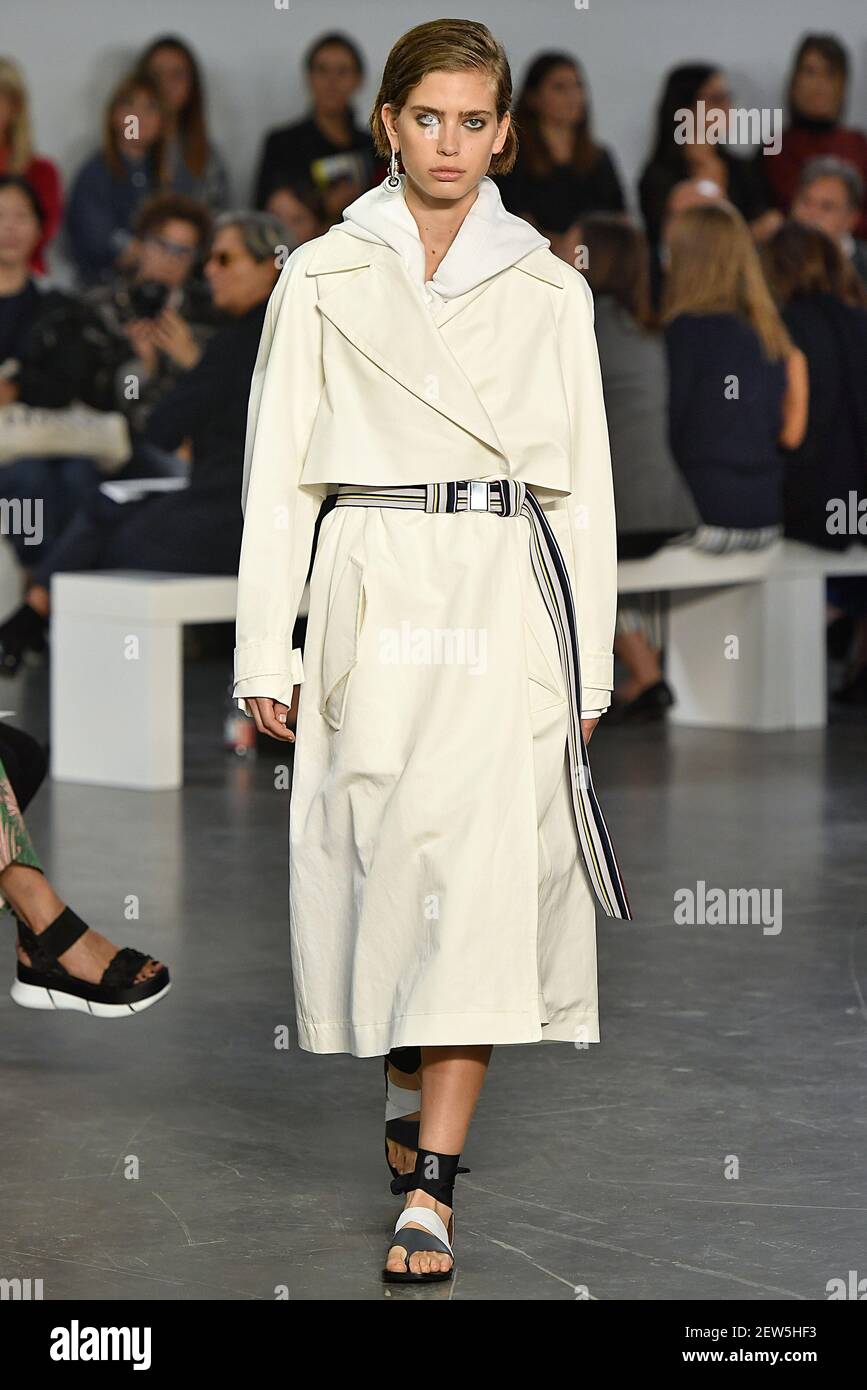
161	208
444	45
800	260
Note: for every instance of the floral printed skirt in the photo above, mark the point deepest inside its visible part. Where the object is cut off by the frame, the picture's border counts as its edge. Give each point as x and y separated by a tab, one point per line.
16	846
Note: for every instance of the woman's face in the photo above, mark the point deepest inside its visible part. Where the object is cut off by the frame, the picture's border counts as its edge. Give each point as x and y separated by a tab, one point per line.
137	122
19	229
294	214
169	68
168	252
447	133
560	99
333	79
237	279
817	91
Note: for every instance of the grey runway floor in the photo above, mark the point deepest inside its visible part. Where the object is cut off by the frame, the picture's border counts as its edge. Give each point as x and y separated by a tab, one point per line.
712	1147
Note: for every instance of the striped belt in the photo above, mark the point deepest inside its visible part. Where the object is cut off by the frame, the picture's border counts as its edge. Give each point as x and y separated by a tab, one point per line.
508	497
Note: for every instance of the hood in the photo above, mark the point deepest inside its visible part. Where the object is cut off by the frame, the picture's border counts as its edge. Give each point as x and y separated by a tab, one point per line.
489	239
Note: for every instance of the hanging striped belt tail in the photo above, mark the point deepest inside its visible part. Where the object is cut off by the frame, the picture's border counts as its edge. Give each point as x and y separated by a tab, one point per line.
508	497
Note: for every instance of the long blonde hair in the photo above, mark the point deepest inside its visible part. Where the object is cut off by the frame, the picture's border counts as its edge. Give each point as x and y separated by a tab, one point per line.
20	138
714	269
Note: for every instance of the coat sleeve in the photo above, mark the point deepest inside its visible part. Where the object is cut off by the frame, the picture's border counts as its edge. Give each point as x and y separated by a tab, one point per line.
584	522
279	514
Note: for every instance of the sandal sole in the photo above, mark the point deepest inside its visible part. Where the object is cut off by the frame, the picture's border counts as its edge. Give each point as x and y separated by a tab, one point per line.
50	997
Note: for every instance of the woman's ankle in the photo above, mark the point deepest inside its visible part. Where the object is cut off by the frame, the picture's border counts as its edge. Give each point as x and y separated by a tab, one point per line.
30	896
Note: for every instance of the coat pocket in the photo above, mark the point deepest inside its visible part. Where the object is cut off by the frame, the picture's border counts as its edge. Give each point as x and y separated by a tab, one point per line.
340	647
546	685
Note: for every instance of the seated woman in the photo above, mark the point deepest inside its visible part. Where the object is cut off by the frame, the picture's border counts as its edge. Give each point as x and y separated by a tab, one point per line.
807	274
737	384
91	348
653	502
196	530
150	323
41	364
703	90
195	165
62	963
110	186
17	156
817	94
561	171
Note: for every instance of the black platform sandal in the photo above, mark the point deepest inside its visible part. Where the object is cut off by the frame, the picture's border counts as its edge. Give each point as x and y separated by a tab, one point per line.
400	1102
46	984
436	1236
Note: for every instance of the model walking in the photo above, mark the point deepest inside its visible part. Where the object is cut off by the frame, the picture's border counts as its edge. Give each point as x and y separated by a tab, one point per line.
433	364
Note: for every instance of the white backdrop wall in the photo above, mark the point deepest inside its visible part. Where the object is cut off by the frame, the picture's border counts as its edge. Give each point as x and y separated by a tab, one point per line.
73	51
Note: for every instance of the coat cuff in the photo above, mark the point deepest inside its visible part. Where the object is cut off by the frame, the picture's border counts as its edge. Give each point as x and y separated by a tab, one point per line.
266	669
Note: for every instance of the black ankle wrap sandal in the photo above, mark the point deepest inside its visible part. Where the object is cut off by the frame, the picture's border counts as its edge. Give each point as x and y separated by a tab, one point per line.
46	984
435	1174
400	1102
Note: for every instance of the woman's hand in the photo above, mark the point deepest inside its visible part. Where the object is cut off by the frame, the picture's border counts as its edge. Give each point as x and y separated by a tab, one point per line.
173	335
587	727
270	717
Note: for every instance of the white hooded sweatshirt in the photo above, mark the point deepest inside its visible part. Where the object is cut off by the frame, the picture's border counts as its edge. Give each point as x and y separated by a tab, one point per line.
489	240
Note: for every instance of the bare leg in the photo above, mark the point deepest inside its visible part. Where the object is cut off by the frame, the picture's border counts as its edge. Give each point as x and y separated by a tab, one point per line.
399	1156
452	1079
32	897
642	662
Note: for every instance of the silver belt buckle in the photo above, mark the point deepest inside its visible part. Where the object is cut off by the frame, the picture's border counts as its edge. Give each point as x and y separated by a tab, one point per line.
478	496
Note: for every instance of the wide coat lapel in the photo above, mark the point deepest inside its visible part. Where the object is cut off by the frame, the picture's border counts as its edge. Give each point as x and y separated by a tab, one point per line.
382	313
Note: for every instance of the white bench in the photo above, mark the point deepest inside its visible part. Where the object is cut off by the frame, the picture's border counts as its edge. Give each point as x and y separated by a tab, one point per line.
773	603
117	652
117	672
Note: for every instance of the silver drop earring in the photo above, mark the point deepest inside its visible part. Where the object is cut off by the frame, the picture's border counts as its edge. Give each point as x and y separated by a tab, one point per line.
393	181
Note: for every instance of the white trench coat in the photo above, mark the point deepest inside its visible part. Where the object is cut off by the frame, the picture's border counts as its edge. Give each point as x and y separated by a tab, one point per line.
438	894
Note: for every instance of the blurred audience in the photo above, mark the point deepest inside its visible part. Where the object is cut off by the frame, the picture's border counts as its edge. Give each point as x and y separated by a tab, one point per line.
806	272
733	177
653	501
111	185
816	100
149	324
195	165
17	156
829	196
738	385
42	363
300	208
327	148
561	171
196	530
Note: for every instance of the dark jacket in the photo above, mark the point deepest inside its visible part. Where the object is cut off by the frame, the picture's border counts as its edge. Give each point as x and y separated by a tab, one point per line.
101	210
209	407
47	343
832	460
556	200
